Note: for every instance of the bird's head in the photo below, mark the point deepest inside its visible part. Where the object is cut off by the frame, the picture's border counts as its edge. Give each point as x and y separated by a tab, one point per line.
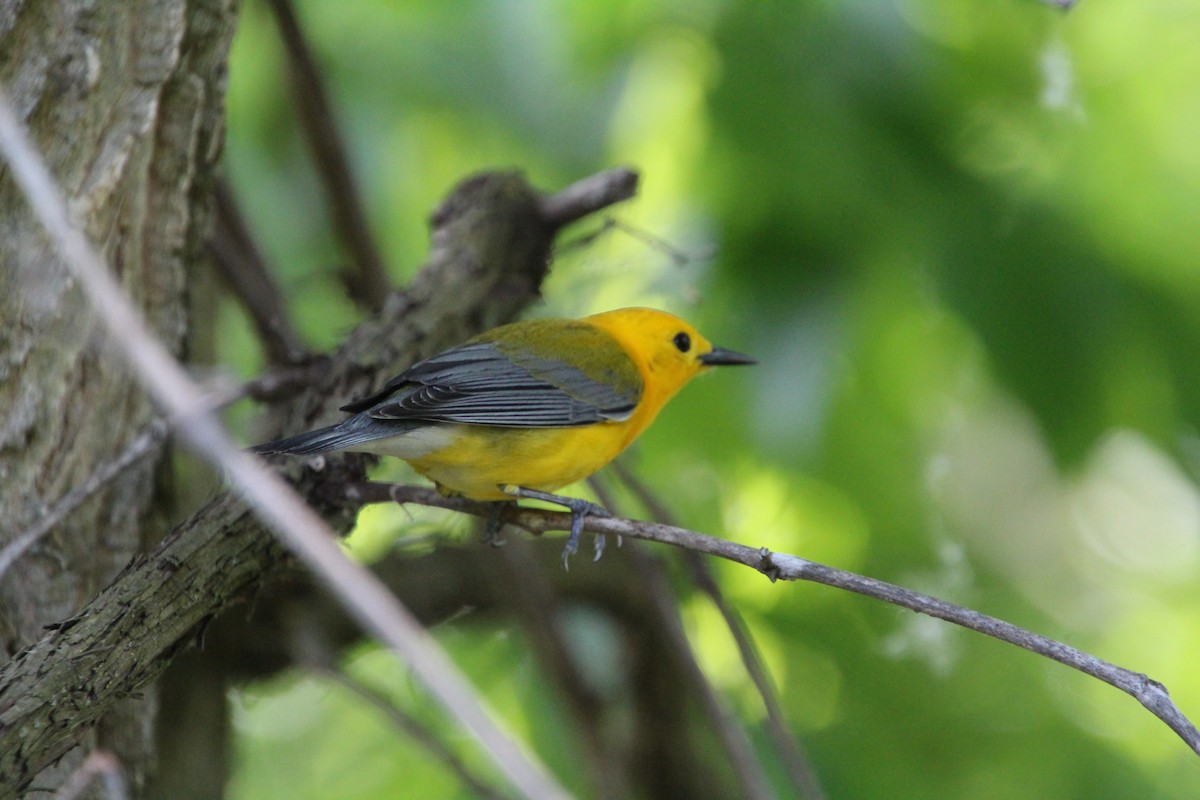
668	350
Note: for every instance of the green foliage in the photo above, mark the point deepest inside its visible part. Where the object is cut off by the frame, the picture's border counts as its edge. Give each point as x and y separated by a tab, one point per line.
961	238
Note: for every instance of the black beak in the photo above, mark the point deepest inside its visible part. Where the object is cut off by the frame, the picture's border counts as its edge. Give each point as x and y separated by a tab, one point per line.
720	357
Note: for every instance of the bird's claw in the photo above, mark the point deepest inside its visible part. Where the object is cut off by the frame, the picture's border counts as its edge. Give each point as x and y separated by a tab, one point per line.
579	510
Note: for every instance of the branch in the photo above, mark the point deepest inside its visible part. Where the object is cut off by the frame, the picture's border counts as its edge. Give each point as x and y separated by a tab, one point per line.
782	566
534	605
130	631
369	287
589	195
753	783
240	264
795	759
751	777
413	728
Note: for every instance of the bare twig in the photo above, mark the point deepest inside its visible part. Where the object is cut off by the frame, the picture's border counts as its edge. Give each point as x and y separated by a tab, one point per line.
240	263
418	732
274	384
99	763
369	286
677	257
524	583
585	196
270	385
795	759
141	445
782	566
752	778
376	609
742	758
656	508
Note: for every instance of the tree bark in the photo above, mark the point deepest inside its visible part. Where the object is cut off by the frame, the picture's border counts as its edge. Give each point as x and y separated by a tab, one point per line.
490	253
125	101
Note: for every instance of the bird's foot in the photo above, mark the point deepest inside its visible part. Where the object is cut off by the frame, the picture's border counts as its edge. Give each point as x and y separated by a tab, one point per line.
495	524
578	508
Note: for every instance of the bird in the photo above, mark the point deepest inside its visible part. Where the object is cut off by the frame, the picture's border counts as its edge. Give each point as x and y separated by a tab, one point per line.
527	408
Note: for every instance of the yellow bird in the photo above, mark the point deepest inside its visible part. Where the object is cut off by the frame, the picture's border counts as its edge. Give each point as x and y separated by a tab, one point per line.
527	408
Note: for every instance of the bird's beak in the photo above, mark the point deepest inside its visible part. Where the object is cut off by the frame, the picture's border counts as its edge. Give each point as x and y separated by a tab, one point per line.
719	356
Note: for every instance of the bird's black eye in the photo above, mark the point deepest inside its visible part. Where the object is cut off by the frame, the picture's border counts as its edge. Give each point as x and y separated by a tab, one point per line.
683	342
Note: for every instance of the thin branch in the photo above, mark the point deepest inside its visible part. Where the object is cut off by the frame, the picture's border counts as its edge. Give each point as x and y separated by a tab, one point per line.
742	758
800	770
525	585
677	257
241	265
588	195
751	777
782	566
369	286
273	384
99	763
795	759
417	731
104	474
276	503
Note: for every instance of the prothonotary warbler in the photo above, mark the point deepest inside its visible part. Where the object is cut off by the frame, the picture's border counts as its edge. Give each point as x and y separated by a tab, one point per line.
527	408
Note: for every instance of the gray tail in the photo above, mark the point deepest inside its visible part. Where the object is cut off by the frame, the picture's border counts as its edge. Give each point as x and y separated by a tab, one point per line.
345	435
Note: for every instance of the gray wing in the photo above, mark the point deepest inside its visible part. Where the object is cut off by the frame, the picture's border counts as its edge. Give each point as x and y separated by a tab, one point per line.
478	384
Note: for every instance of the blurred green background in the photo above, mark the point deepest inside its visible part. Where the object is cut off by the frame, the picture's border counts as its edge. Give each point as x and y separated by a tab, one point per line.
963	238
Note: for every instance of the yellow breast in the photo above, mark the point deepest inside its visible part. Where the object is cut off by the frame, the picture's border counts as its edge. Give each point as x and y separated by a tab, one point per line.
481	459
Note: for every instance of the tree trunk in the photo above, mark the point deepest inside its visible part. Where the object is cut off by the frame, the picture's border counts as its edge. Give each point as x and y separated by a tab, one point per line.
125	100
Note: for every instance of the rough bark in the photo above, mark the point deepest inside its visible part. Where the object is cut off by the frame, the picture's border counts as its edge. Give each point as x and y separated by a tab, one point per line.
125	100
490	251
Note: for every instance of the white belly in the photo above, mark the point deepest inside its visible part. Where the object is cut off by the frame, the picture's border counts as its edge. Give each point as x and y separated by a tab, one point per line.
416	443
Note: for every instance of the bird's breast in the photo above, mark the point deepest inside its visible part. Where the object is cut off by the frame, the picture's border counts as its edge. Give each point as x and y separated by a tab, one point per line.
476	460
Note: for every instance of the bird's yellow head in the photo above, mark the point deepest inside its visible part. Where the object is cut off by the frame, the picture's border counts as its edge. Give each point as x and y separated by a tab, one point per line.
669	352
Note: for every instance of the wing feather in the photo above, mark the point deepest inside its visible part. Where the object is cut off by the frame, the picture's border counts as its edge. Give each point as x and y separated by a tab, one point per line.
480	384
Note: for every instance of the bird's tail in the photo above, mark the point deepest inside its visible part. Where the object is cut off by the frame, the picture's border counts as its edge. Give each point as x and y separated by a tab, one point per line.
345	435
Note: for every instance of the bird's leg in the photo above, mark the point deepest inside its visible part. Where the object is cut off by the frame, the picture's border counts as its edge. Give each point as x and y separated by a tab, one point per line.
579	509
494	524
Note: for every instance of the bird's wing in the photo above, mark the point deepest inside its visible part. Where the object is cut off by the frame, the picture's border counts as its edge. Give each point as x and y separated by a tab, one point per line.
485	383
